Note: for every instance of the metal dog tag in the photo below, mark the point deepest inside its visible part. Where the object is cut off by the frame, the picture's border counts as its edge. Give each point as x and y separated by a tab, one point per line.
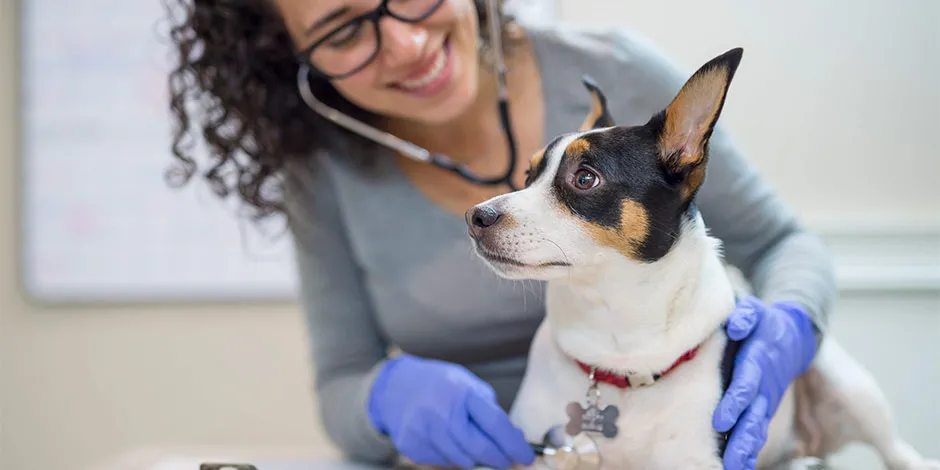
592	418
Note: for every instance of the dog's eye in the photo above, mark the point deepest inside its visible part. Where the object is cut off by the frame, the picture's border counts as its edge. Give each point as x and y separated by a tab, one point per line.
585	179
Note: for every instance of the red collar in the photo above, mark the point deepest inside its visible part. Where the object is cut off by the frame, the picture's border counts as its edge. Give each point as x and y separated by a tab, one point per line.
621	381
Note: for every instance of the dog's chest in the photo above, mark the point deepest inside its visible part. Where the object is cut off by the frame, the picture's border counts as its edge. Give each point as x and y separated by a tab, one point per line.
662	429
666	425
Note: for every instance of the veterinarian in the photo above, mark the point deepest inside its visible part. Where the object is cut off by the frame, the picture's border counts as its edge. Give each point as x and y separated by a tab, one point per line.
382	249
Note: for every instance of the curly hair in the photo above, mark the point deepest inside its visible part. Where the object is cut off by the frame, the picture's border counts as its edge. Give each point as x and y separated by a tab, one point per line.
234	83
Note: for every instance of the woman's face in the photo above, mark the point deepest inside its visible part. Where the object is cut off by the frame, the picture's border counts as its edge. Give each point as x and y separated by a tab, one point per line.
425	71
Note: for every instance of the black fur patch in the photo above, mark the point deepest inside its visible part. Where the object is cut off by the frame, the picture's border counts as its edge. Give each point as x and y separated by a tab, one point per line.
627	161
534	172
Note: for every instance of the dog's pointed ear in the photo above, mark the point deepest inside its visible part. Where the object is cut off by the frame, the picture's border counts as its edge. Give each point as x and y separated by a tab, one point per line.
688	121
599	115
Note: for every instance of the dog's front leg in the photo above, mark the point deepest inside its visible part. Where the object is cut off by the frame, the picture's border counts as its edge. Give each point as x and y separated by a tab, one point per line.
703	463
684	450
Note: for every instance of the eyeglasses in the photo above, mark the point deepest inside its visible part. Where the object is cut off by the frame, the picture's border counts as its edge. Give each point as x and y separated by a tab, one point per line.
389	140
351	46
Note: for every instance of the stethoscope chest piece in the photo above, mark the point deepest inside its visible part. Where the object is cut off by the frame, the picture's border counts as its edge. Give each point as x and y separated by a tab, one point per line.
562	451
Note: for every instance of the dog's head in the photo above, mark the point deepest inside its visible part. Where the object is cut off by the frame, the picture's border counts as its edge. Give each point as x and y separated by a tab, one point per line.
606	190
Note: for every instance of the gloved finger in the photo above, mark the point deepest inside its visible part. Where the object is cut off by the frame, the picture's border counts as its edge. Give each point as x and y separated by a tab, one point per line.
473	440
495	423
751	463
443	442
748	437
755	422
744	318
745	382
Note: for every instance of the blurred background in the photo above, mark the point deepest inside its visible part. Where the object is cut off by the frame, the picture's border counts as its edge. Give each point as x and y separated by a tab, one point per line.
126	338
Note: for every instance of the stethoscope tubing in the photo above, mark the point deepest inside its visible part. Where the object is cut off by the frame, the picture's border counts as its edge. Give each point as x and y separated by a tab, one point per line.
416	152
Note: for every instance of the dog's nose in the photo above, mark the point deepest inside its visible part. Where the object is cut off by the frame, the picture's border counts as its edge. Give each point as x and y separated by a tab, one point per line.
481	217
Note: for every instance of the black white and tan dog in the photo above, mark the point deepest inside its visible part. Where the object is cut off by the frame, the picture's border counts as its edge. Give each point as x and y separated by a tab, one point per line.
635	283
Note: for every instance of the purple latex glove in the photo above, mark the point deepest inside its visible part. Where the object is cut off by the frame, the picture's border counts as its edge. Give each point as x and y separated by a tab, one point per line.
779	345
439	413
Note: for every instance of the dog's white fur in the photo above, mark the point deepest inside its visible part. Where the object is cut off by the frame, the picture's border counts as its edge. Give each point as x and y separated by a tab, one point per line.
608	310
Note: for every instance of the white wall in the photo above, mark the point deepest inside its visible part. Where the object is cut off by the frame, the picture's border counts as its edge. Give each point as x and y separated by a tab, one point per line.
837	100
839	117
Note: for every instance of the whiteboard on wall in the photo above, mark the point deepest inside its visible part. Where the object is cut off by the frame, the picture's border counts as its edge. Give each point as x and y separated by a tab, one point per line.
99	222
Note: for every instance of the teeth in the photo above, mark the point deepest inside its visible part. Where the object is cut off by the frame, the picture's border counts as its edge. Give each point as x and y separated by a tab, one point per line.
430	76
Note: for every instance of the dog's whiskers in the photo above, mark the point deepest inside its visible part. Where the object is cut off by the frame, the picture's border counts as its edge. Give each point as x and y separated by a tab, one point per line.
563	254
525	298
671	234
534	284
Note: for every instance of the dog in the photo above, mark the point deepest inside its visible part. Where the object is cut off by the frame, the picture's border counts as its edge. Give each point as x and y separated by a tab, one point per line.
637	293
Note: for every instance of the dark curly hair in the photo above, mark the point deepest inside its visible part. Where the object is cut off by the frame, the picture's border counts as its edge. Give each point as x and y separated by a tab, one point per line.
234	83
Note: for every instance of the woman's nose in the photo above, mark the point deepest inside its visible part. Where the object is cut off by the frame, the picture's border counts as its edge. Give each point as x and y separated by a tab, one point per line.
402	42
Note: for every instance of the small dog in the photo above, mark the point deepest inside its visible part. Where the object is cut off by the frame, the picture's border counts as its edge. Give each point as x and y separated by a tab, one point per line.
637	296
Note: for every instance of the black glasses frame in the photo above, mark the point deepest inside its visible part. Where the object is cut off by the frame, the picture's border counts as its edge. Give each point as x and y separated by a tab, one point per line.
373	17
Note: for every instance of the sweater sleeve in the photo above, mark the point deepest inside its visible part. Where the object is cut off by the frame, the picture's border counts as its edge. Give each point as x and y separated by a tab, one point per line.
761	236
346	345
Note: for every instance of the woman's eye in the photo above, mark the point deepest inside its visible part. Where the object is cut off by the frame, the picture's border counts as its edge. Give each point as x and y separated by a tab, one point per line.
585	179
346	35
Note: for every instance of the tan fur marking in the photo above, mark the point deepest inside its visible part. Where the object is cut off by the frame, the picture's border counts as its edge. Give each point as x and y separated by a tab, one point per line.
537	158
626	239
578	146
808	427
687	143
508	222
597	109
693	182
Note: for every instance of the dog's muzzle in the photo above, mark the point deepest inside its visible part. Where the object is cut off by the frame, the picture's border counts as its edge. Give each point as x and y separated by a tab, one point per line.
480	218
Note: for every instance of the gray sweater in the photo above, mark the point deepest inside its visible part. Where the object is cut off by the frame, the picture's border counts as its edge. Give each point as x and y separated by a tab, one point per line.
382	267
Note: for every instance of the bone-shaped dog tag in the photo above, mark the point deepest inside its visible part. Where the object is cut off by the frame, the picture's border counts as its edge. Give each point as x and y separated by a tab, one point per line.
592	419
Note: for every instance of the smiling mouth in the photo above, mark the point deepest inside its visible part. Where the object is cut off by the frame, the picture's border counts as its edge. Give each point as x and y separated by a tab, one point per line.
500	259
433	75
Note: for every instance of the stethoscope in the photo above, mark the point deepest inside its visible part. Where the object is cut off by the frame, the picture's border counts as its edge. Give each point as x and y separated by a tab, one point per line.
419	153
562	451
558	449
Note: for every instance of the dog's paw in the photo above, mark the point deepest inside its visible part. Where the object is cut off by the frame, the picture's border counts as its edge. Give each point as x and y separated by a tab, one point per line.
925	465
913	461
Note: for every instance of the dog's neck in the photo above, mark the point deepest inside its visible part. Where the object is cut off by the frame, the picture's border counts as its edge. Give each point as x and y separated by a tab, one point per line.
625	316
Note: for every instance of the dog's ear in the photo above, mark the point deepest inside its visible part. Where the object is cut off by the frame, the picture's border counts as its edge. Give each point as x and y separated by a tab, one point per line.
688	122
599	115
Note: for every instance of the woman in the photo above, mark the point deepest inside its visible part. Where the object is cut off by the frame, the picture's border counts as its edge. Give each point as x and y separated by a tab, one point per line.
381	241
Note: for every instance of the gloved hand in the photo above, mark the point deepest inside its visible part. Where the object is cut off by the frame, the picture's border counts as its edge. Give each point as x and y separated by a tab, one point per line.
439	413
779	346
